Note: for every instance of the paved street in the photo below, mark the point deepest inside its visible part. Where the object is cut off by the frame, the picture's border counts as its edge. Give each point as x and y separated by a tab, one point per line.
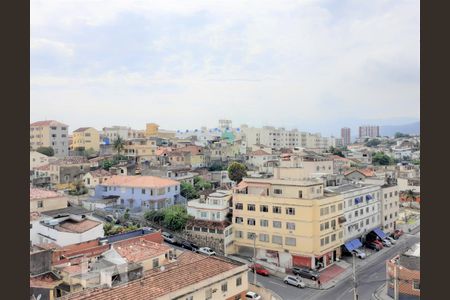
370	277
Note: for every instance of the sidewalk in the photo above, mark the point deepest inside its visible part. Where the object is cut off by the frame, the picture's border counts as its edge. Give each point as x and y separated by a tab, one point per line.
381	293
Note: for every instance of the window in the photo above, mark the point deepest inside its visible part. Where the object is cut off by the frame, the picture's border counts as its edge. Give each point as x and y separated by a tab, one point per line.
300	194
396	193
251	222
208	294
239	281
276	239
190	298
289	241
239	220
341	234
40	204
361	211
390	194
53	128
390	216
251	235
168	189
385	218
290	211
277	191
143	191
155	263
367	221
264	223
416	285
276	209
332	208
290	226
327	240
350	202
251	207
263	237
63	128
361	224
385	206
239	206
395	214
224	287
367	209
385	196
333	237
333	224
263	208
276	224
238	234
132	190
324	211
356	213
340	206
322	242
203	215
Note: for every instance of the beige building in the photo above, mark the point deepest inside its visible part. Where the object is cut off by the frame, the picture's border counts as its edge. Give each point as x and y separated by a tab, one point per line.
38	160
152	130
93	178
294	221
50	134
140	150
44	200
390	206
87	138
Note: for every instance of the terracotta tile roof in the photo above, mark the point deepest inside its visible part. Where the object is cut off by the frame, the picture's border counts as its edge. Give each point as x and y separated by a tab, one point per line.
36	193
162	151
100	173
137	250
140	181
259	153
190	269
48	123
47	246
194	150
77	227
71	160
43	168
365	172
82	129
100	158
47	280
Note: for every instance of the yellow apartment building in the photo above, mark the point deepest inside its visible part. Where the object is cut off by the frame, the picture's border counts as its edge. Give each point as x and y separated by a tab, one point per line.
87	138
295	223
152	130
50	133
140	149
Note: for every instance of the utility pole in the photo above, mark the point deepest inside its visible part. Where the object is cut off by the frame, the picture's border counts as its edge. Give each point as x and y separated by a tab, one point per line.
355	292
254	259
395	282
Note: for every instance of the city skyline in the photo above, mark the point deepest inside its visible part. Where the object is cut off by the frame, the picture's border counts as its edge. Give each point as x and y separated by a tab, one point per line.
310	65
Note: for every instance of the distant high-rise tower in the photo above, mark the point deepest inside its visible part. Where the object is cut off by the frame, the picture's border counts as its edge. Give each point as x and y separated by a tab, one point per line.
225	125
345	135
369	131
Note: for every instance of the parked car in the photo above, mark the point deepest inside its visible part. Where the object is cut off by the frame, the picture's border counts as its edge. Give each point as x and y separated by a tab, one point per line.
379	243
397	234
359	253
295	281
252	295
168	238
386	242
110	218
259	269
391	239
206	250
189	246
306	273
373	246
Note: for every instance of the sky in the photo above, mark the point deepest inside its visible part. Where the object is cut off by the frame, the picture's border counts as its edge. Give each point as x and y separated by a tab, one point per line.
313	65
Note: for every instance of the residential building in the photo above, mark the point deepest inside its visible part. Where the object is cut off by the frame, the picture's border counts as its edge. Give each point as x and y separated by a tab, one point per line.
68	170
274	137
215	207
359	174
44	200
140	150
362	209
178	173
196	159
86	138
345	136
152	130
141	192
306	164
192	276
369	131
390	205
93	178
295	223
364	157
50	133
38	159
262	161
340	164
404	270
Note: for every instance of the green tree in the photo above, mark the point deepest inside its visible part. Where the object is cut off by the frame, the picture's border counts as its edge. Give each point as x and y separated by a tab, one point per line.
155	216
216	166
107	228
46	151
382	159
175	217
201	184
188	191
78	188
336	151
126	215
237	171
373	143
119	145
107	164
401	135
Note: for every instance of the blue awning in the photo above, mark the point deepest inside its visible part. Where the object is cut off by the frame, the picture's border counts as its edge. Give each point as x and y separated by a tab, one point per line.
380	233
353	244
368	197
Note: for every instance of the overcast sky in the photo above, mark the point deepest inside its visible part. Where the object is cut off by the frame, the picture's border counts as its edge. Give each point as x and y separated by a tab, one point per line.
312	65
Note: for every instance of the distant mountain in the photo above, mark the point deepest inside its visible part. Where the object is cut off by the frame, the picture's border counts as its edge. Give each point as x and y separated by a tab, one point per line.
390	130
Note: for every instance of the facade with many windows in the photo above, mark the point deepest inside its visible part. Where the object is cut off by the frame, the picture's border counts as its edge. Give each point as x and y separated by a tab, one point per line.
293	221
50	134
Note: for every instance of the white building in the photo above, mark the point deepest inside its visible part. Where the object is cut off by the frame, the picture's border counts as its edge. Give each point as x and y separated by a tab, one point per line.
215	207
38	159
262	161
362	209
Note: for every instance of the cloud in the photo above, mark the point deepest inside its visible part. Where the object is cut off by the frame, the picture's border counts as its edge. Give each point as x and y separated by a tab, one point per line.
186	64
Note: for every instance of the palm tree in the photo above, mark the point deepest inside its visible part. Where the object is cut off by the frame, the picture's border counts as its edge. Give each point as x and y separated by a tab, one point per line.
119	144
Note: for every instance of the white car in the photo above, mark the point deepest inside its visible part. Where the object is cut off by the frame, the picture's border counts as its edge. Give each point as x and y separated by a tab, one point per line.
252	295
360	254
386	242
393	242
295	281
206	250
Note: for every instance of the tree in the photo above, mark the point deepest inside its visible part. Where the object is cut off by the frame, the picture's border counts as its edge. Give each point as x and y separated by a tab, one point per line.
216	166
175	217
46	151
401	135
382	159
188	191
336	151
155	216
107	164
78	188
126	215
373	143
119	144
237	171
201	184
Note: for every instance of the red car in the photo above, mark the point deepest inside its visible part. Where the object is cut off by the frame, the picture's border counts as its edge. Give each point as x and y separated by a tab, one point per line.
259	269
379	243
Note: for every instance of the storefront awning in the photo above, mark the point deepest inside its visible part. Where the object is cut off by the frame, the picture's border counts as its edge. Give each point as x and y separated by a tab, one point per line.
353	244
380	233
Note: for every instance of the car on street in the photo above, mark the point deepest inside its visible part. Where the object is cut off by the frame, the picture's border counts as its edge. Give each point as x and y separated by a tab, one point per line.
206	250
189	246
259	269
252	295
295	281
391	239
168	237
359	253
306	273
379	243
386	242
110	218
373	246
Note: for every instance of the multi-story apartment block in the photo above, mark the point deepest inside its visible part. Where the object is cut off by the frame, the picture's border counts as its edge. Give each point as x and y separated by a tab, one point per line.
390	205
362	209
87	138
295	223
141	192
345	135
140	150
50	134
215	207
152	130
124	132
369	131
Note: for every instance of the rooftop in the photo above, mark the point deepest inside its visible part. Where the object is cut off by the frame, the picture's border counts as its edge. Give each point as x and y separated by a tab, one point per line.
190	268
136	250
47	280
259	153
140	181
48	123
77	227
348	187
36	193
66	211
82	129
71	160
100	173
